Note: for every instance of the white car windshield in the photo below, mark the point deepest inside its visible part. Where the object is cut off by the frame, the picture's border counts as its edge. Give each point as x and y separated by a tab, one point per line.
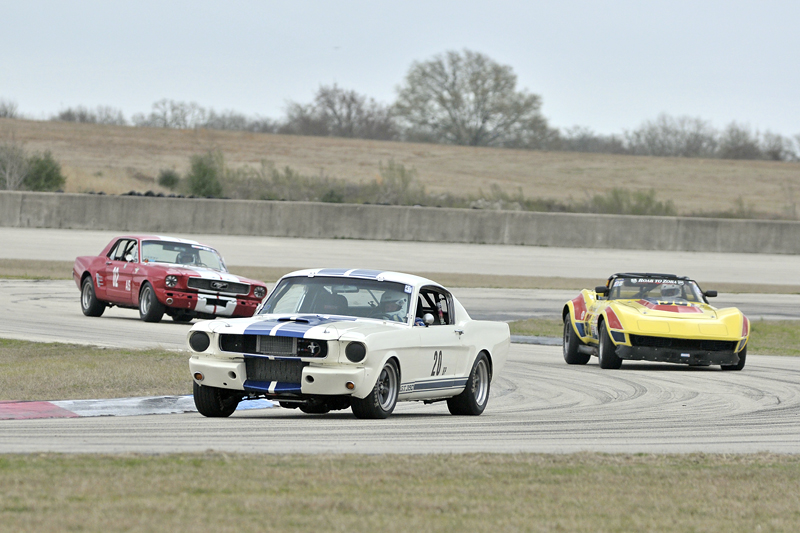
660	289
322	295
181	253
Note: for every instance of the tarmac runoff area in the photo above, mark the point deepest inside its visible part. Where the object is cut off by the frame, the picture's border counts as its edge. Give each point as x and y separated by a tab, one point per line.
490	259
156	405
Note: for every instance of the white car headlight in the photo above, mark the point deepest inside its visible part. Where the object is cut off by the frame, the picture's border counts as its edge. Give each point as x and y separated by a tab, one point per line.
355	352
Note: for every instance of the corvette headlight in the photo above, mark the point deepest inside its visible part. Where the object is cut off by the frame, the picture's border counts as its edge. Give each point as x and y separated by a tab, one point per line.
259	292
171	281
355	352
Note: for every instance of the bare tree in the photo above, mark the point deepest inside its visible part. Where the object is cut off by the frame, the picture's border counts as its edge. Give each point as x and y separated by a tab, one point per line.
582	139
467	98
172	114
340	113
99	115
675	137
8	109
738	142
777	147
13	165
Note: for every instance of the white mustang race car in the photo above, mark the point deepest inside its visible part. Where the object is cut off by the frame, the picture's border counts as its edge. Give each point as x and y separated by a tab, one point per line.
330	339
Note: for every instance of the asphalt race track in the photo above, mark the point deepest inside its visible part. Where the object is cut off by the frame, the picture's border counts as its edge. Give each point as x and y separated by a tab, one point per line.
55	304
538	404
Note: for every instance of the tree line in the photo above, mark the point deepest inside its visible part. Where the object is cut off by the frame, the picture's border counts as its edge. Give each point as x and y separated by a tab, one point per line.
460	98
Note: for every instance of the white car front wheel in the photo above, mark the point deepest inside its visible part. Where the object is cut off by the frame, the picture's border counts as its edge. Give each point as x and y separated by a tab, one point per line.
380	402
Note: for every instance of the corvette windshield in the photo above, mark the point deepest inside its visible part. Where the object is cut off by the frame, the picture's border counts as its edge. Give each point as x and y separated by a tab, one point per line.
182	253
661	289
321	295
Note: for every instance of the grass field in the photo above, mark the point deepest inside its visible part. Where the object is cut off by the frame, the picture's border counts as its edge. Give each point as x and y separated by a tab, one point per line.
467	492
116	159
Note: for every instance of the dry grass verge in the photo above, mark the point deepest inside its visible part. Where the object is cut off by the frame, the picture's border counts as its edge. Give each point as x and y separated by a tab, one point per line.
480	492
54	371
116	159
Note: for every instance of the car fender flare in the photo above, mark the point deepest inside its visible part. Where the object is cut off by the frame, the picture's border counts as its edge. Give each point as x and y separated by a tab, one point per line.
372	372
568	313
602	323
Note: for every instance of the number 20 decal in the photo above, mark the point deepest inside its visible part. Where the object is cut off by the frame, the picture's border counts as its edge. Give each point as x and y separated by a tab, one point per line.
437	364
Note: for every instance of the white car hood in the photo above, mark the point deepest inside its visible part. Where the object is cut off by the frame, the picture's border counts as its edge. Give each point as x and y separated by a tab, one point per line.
321	327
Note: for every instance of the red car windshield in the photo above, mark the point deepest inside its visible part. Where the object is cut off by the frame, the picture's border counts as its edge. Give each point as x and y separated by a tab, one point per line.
181	253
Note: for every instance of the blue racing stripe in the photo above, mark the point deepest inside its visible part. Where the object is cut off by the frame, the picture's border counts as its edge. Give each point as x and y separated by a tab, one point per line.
297	326
332	272
264	386
371	274
438	384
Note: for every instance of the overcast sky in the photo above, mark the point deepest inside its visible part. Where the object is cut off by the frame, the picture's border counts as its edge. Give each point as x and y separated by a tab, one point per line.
606	65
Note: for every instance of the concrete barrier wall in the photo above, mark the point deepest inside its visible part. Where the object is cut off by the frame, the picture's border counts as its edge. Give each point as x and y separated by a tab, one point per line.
177	216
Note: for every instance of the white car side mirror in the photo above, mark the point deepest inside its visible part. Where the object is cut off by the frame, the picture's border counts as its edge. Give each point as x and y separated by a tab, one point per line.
427	318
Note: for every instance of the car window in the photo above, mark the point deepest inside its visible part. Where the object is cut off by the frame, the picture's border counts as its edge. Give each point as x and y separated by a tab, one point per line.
437	302
116	250
124	250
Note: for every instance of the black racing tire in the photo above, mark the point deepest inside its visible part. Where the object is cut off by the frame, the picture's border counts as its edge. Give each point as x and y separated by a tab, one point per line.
607	352
473	399
150	309
740	364
182	318
90	305
381	401
570	344
214	402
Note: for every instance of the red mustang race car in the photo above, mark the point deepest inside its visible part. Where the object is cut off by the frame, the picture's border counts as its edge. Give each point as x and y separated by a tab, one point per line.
182	278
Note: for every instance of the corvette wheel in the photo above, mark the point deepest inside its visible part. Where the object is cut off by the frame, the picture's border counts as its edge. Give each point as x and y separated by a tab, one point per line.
472	401
214	402
607	352
90	305
740	364
150	309
381	401
570	345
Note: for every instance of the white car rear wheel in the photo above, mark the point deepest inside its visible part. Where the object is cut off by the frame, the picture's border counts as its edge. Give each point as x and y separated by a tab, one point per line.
472	401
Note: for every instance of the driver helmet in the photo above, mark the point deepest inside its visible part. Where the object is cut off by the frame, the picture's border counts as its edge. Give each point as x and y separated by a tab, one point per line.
670	290
392	301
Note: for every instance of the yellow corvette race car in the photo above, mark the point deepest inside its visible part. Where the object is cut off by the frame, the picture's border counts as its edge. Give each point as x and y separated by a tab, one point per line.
653	317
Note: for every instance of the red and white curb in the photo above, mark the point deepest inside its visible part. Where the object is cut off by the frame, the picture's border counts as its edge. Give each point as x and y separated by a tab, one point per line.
157	405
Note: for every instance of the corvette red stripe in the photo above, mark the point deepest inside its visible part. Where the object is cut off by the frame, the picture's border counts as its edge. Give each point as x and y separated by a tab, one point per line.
670	308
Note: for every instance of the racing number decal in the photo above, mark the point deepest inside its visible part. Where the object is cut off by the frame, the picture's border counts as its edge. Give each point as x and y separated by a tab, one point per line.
437	364
115	278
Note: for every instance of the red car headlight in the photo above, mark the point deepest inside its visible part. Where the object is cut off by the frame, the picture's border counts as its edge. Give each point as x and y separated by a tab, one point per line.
171	281
259	292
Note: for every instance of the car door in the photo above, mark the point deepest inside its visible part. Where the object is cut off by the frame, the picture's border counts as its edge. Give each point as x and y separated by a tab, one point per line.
118	271
441	358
